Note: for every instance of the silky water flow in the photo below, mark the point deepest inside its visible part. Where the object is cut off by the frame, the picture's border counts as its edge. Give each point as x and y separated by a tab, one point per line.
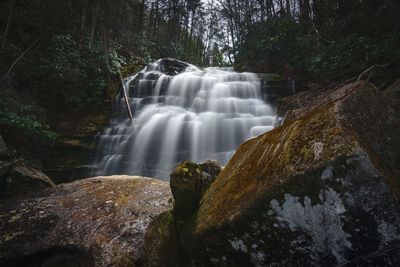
196	114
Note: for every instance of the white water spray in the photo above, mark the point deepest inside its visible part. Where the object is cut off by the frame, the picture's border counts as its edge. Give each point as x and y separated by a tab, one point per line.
195	115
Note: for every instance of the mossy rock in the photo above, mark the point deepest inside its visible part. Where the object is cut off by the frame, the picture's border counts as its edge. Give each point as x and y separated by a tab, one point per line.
322	189
161	246
189	181
133	68
107	218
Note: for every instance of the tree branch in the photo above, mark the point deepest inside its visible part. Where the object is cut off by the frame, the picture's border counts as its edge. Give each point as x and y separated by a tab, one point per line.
17	60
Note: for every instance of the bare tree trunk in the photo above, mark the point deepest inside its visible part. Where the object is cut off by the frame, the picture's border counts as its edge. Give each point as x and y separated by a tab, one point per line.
231	26
94	21
262	9
288	7
229	54
10	14
140	20
106	38
191	28
83	22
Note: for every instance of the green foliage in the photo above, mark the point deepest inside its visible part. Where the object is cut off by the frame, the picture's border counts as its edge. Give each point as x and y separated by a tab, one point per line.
77	75
28	125
273	42
217	58
349	55
335	44
22	124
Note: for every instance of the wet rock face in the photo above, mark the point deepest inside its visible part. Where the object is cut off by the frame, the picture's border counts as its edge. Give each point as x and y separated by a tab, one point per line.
171	66
144	83
188	183
104	218
322	189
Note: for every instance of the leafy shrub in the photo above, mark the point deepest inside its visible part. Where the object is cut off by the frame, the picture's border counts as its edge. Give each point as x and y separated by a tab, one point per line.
22	124
28	124
77	75
26	133
344	46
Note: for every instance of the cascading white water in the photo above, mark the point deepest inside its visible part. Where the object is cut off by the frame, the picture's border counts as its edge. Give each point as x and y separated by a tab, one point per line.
194	115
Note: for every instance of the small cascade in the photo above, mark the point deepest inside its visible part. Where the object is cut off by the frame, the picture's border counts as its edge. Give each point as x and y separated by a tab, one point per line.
182	113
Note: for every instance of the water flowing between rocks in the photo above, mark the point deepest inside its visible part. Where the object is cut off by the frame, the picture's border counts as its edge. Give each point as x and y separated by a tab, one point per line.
182	113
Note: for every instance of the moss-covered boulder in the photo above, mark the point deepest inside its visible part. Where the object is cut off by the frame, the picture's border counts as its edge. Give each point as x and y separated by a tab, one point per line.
162	245
210	169
98	221
188	183
322	189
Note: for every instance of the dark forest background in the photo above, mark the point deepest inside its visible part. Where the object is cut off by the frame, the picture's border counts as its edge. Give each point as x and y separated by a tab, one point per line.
59	57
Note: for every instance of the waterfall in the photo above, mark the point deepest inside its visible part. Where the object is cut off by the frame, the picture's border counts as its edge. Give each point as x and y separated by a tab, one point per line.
182	113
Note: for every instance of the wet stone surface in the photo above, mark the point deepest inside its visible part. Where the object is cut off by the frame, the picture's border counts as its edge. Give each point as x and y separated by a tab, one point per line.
102	220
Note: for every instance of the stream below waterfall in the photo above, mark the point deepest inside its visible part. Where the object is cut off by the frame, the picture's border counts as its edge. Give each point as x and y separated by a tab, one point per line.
181	113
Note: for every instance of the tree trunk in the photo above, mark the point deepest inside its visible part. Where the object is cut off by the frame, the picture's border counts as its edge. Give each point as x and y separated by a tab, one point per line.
94	21
10	14
288	7
83	23
140	20
106	38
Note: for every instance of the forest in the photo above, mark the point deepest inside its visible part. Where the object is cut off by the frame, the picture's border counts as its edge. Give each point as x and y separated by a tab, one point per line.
62	54
319	79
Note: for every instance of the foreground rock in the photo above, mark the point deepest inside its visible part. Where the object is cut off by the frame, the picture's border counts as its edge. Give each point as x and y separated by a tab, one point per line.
322	189
99	221
189	181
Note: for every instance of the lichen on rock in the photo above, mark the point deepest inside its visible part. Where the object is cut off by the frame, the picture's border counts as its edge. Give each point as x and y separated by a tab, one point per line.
322	189
189	181
105	218
322	222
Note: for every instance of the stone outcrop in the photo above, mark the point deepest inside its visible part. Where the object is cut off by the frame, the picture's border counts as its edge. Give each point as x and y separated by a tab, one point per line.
98	221
322	189
189	181
167	66
171	66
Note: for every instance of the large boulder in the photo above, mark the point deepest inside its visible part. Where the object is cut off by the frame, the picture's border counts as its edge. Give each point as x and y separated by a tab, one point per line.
322	189
98	221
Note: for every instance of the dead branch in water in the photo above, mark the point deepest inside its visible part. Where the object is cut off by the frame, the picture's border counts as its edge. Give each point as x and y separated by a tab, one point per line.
125	95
